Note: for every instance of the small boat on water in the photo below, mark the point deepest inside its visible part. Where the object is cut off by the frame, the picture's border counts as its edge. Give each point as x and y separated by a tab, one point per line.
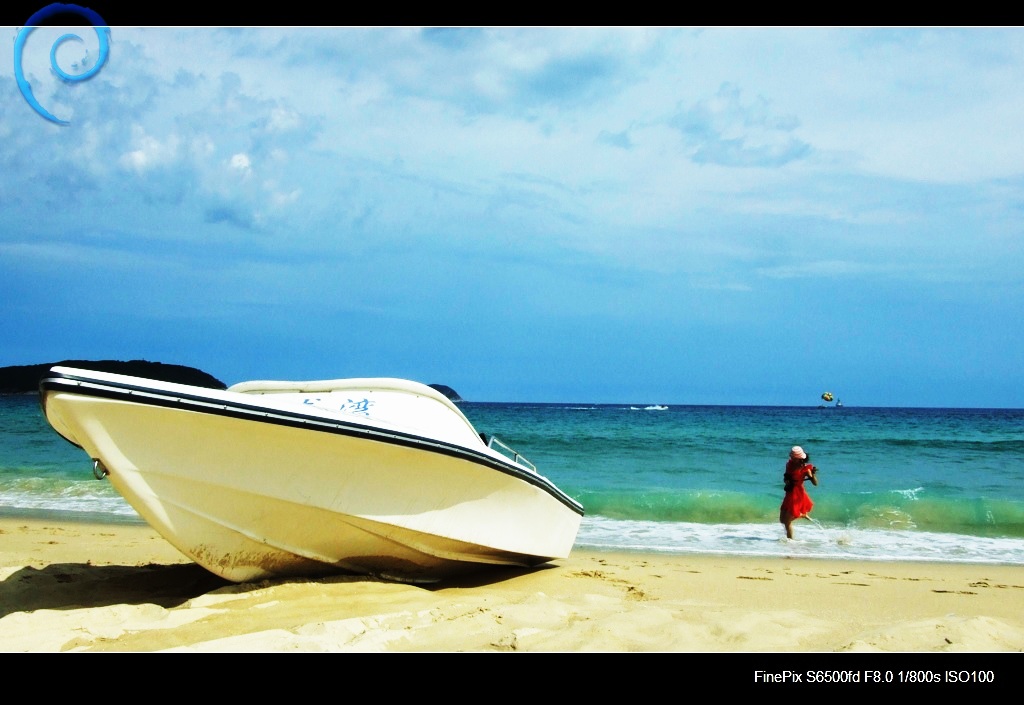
375	476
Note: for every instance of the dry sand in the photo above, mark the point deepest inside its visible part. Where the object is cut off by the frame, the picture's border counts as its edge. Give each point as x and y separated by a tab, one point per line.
78	587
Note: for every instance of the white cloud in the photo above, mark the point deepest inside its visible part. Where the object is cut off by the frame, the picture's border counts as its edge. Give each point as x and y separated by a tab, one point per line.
149	151
279	199
240	162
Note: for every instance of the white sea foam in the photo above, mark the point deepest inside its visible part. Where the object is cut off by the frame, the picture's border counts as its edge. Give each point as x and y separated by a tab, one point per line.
813	540
74	497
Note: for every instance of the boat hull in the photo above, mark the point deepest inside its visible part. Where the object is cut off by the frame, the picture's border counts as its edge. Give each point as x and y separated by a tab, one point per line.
251	494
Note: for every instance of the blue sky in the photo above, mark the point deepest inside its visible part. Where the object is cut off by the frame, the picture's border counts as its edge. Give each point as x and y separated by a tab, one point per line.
712	215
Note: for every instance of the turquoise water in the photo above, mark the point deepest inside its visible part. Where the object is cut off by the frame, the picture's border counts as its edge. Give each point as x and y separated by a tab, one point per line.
895	484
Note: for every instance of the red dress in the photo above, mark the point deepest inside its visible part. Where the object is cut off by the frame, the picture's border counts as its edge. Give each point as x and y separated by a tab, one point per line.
796	503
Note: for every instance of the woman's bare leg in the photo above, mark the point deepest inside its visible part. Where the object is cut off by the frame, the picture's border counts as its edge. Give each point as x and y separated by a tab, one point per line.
787	521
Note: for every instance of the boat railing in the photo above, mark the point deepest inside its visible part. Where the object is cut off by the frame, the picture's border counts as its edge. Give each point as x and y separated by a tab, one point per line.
504	449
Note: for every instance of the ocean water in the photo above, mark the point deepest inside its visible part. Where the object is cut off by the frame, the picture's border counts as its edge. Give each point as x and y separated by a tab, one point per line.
943	485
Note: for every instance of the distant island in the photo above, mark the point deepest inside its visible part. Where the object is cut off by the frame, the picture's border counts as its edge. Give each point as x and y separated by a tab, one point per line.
447	391
24	379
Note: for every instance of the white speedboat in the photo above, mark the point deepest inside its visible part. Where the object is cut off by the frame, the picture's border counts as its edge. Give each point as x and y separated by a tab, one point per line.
377	476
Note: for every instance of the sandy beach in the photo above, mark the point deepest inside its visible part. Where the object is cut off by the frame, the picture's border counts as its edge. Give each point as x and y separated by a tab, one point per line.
80	587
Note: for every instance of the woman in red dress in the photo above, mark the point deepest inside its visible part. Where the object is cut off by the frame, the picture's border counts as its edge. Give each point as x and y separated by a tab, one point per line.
797	503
